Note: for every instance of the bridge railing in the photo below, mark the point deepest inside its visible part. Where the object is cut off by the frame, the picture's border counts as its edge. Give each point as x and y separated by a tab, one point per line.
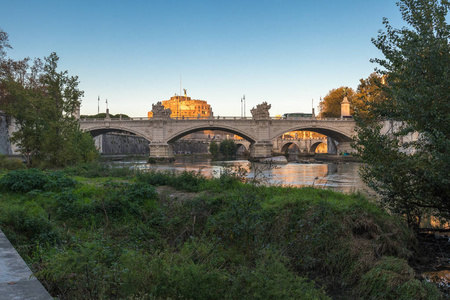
215	118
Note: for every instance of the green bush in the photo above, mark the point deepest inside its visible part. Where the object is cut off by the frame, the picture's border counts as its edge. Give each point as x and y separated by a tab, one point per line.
58	181
187	181
228	148
88	270
155	178
23	181
10	163
66	205
28	224
98	169
392	278
271	279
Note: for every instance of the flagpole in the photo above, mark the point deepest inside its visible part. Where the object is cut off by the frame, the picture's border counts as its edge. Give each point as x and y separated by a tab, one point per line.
244	106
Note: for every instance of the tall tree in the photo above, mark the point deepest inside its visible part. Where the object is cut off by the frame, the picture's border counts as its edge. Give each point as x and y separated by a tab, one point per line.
330	105
214	149
228	148
370	94
412	176
42	102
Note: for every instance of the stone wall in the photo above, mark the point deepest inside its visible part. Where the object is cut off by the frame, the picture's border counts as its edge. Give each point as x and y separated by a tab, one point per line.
191	147
7	127
117	143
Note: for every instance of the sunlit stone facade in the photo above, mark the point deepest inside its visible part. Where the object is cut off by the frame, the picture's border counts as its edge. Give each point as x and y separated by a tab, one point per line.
185	107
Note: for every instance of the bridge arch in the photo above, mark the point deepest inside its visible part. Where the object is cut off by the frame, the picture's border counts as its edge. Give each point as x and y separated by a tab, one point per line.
177	135
285	147
314	146
334	133
242	148
96	131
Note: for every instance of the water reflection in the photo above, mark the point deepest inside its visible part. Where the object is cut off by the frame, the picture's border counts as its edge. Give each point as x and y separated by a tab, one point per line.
340	177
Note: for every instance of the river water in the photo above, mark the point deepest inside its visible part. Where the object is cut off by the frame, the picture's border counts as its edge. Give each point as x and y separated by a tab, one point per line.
342	177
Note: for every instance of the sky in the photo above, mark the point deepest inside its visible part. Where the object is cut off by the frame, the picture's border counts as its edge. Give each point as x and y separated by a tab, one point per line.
135	53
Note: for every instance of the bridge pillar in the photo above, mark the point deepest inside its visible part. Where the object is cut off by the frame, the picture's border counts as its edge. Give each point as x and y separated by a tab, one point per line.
261	149
161	150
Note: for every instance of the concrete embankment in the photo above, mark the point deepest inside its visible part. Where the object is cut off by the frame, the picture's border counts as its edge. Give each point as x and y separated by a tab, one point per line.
16	279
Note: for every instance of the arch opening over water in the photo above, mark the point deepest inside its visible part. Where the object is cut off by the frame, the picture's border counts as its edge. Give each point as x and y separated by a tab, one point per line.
188	131
314	147
335	134
99	131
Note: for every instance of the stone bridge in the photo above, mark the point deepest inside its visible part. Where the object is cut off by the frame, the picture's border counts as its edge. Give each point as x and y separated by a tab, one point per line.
260	130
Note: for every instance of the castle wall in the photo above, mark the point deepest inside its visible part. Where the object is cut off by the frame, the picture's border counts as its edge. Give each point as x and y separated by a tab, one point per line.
116	143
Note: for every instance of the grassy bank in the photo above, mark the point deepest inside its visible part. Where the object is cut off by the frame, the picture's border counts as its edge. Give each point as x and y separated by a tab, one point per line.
102	233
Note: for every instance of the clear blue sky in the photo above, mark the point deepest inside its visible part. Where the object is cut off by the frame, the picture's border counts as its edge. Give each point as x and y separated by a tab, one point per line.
134	52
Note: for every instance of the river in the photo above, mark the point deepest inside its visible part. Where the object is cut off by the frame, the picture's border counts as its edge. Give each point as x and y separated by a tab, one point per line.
342	177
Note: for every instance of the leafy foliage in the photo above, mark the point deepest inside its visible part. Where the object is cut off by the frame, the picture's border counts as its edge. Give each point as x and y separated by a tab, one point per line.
411	174
98	169
24	181
214	148
392	278
227	148
120	239
370	94
10	163
186	181
330	105
43	102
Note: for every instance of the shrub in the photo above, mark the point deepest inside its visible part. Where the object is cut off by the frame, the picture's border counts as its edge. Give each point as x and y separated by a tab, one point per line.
155	178
27	223
271	279
97	169
10	163
65	203
392	278
187	181
23	181
58	181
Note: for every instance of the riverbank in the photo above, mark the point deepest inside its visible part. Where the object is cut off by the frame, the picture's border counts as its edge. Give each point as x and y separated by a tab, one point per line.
135	235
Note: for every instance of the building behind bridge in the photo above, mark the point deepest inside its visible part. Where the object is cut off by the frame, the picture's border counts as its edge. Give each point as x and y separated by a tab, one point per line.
186	107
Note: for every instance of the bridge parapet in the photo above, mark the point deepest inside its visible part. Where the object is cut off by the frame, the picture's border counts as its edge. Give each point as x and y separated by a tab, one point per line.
344	120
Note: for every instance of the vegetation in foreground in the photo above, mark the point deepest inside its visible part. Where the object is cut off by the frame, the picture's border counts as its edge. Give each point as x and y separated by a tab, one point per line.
411	175
181	236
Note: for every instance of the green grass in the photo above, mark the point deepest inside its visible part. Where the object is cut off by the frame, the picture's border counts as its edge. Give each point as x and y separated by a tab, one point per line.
115	237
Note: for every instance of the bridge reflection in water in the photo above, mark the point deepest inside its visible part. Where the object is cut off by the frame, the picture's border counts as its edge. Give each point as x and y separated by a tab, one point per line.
339	177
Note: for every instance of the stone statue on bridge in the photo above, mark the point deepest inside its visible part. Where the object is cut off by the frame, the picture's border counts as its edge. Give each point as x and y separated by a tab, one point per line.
261	111
159	112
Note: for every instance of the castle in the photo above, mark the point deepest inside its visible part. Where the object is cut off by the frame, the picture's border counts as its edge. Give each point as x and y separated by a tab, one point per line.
184	107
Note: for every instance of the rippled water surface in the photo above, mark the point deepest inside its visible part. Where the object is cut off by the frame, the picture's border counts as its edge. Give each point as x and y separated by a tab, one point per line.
340	177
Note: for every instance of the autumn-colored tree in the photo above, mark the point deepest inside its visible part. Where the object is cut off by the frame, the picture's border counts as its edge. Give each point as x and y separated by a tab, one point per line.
370	94
330	105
